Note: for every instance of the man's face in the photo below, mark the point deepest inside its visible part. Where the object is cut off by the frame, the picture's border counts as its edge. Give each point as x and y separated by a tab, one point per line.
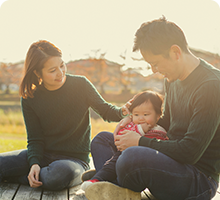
167	66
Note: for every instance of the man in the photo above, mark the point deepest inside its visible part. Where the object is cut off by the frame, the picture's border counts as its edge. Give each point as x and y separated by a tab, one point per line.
187	165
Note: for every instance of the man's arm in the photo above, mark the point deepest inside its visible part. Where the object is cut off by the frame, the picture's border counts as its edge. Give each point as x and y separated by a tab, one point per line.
204	122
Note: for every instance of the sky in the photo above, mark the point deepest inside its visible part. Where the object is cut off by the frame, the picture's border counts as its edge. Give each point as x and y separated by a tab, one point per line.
83	28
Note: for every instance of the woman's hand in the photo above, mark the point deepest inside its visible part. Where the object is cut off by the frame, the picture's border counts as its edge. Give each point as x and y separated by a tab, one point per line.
125	107
121	125
127	139
33	176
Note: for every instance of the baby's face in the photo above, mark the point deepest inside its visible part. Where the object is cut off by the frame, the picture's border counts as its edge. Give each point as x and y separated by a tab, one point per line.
145	113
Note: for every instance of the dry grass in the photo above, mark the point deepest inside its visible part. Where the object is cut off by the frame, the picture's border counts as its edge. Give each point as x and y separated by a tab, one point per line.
99	125
13	134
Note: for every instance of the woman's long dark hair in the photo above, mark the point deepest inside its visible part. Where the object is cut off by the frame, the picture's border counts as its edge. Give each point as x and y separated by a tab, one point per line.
38	53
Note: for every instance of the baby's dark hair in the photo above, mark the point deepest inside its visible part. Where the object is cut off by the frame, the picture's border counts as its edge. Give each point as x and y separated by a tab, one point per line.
155	98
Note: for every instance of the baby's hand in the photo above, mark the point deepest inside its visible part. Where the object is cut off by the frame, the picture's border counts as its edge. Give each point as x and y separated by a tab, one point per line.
122	124
146	127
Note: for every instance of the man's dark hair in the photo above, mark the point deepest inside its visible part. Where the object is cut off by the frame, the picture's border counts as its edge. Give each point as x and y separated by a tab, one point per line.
158	36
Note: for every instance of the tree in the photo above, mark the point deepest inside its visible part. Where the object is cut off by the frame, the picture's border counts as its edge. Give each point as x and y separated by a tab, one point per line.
10	74
126	79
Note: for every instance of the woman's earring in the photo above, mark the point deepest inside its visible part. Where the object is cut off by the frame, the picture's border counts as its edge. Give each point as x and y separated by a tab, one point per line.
40	81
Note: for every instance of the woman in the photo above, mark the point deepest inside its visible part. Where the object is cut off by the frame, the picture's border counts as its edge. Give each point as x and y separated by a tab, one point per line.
55	107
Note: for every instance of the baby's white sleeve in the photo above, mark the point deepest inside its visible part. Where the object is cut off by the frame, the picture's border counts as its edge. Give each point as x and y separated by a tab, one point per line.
140	129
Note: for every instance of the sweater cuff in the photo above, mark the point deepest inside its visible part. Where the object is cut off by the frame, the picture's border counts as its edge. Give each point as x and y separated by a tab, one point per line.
144	141
121	113
33	161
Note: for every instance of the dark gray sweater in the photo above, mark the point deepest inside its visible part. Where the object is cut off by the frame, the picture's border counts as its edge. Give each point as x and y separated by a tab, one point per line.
192	119
58	121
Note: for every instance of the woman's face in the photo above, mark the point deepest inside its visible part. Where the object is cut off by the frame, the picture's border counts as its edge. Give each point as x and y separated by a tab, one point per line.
54	73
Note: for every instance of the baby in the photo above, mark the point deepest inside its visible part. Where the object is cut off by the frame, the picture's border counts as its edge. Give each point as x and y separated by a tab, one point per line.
145	109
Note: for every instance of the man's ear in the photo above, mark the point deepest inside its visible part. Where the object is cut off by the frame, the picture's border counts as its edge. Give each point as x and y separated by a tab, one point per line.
175	52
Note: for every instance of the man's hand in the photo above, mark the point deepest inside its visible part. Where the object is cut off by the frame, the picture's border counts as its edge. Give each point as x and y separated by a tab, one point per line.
127	139
33	176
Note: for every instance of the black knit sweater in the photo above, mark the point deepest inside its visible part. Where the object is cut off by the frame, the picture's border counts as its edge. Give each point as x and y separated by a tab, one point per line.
58	121
192	120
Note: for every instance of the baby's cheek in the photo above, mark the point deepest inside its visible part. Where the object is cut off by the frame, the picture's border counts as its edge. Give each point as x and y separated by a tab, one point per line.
135	120
150	121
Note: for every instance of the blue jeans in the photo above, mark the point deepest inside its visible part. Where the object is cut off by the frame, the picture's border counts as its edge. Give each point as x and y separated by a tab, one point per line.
138	168
57	171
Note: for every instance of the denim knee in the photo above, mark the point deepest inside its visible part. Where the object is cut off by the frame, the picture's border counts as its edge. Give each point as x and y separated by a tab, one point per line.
101	137
13	163
58	176
96	139
124	162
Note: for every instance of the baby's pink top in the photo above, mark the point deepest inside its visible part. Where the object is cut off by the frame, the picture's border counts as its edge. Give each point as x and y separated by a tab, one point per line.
156	132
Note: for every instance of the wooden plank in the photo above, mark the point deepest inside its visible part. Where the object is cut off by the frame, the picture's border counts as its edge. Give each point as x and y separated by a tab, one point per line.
55	195
27	193
8	190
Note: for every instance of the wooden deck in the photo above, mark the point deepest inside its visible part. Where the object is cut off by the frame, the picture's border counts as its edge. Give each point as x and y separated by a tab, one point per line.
11	191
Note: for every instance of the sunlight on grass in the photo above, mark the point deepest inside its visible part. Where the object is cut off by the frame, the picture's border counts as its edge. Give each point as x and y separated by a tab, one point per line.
9	103
99	125
13	133
12	144
11	118
12	129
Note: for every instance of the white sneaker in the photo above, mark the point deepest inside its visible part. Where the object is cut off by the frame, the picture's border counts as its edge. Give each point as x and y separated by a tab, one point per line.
104	190
85	184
